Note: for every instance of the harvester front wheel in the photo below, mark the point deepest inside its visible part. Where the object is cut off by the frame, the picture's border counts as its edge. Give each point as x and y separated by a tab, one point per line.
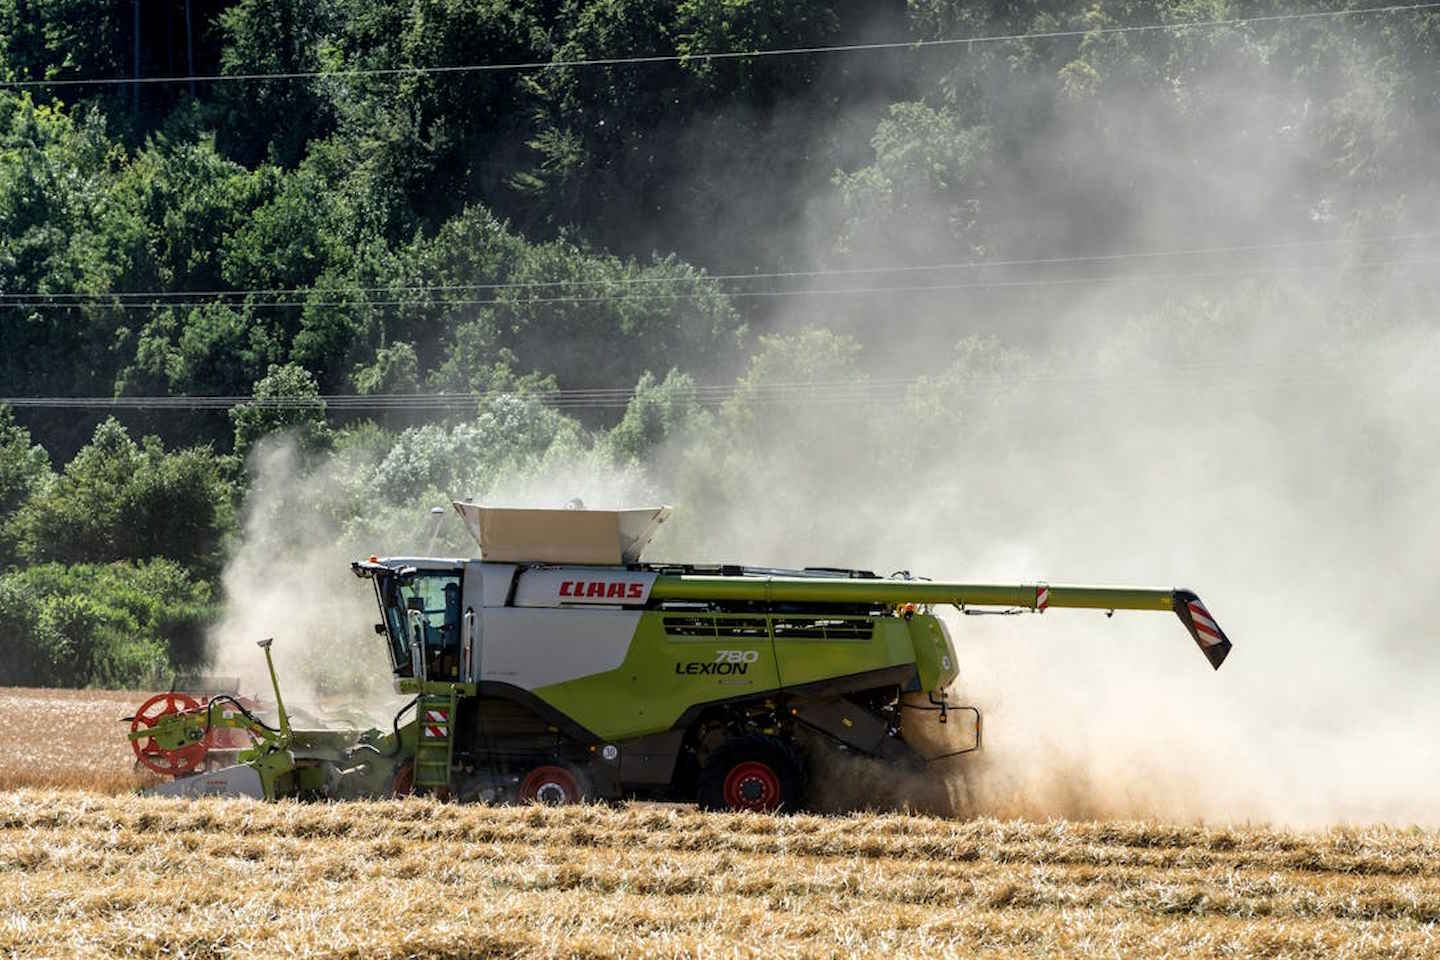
551	785
751	773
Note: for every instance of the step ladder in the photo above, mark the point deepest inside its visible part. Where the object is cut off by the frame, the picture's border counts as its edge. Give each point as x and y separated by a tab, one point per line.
435	748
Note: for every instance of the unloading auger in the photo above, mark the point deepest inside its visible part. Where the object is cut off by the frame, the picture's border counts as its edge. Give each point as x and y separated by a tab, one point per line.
559	667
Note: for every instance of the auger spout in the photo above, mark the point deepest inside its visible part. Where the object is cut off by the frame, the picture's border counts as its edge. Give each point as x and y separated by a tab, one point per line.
1029	596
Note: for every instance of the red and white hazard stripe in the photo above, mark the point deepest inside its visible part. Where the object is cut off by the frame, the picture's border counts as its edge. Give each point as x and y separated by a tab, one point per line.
1042	597
435	723
1206	630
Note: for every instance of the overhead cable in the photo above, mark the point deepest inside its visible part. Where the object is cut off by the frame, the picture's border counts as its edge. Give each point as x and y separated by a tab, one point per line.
203	296
602	298
576	63
714	395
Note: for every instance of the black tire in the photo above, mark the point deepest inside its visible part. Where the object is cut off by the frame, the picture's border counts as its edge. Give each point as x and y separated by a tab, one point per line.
752	773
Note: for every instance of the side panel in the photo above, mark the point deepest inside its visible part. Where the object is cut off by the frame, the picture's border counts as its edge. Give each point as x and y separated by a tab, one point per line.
934	653
669	668
583	586
813	648
535	647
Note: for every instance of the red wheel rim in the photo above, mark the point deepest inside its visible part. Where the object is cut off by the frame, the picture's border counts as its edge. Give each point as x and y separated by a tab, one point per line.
172	763
402	784
550	785
751	785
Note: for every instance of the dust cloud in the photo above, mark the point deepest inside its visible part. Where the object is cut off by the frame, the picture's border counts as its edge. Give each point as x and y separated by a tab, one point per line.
289	578
1255	425
1257	428
1287	479
1272	458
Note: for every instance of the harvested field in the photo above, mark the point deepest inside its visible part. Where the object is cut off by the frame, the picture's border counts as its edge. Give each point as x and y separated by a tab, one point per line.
97	872
88	875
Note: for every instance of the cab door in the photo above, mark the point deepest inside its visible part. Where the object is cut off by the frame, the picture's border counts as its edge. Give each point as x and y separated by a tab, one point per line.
472	622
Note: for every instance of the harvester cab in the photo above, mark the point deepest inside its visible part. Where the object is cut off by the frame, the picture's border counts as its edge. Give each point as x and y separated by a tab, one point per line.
560	666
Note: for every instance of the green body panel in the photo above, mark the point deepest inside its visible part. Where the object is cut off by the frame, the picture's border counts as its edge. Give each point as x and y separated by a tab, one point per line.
934	656
809	659
723	657
646	695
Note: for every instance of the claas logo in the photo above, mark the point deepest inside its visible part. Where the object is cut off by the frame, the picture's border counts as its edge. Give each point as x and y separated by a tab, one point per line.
602	589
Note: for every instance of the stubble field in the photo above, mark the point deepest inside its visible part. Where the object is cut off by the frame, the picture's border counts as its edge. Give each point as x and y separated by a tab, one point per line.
88	871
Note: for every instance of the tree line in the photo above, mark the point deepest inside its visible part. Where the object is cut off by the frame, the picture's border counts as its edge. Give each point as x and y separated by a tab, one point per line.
507	233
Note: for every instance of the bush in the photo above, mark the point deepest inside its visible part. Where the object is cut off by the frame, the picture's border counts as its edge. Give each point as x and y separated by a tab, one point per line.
112	625
122	500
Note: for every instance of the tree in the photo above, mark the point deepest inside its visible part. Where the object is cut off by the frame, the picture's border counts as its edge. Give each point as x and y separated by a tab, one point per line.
285	399
114	624
922	194
656	413
24	471
122	500
395	370
274	119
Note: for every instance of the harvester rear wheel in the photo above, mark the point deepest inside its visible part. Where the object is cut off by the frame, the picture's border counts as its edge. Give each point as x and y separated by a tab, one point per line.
552	786
751	773
172	763
402	781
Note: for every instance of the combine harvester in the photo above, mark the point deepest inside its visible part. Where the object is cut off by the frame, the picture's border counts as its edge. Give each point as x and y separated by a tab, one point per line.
560	668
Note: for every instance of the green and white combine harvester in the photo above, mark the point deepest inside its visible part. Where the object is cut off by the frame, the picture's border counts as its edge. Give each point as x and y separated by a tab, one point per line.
560	668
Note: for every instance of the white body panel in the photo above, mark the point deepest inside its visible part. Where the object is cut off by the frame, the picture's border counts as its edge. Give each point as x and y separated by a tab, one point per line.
531	647
583	586
237	781
498	577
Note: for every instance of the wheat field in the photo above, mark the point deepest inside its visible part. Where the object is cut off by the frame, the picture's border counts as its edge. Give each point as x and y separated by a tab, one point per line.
68	738
87	873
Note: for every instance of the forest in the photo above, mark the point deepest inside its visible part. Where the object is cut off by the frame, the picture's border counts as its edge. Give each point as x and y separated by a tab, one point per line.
397	252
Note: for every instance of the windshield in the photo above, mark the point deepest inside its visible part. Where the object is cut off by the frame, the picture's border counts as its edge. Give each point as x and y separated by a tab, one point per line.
430	599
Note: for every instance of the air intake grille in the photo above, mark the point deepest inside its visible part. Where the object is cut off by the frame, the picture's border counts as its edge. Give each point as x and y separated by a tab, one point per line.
720	628
822	628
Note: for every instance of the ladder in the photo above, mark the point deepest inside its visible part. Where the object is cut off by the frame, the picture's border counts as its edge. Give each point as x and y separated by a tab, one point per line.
435	748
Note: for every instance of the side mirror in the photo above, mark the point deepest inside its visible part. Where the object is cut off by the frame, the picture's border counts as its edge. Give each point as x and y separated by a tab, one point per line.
380	629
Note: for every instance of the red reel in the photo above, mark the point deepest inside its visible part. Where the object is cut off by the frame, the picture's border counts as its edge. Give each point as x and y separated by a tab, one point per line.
172	763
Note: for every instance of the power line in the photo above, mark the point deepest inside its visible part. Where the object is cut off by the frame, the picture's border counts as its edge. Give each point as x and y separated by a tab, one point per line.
534	65
185	297
710	396
576	300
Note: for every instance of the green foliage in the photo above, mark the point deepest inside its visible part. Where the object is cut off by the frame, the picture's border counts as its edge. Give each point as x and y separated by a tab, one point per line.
114	625
658	412
285	399
273	118
466	460
395	370
64	38
923	190
66	231
118	499
24	472
505	234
